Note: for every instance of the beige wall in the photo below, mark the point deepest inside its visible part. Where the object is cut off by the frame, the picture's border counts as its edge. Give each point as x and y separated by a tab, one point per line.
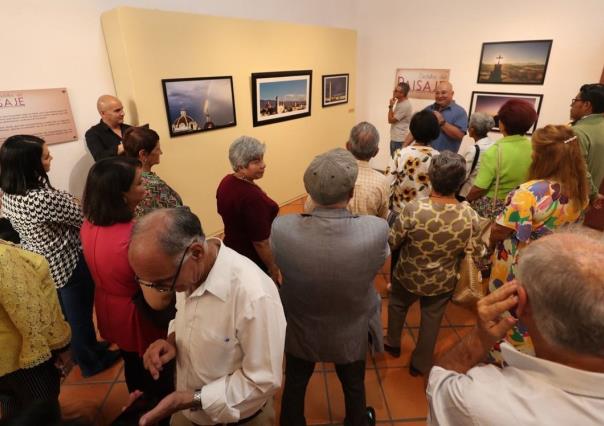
145	46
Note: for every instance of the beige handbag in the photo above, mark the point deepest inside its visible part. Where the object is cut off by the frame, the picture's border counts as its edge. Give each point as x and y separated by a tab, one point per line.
469	280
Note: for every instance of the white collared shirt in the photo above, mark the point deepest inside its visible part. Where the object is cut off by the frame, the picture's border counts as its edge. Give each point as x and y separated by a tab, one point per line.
529	391
230	334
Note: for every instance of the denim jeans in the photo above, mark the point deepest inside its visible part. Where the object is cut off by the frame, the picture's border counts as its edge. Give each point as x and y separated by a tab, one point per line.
77	299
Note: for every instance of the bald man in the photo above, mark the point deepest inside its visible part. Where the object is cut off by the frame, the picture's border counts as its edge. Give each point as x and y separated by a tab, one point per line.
452	119
105	139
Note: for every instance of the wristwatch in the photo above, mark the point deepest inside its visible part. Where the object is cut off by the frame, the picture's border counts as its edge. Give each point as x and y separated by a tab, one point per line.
442	123
197	400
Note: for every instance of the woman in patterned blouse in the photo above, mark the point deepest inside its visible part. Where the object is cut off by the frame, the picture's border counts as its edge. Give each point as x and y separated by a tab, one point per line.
556	194
431	234
409	166
48	222
142	143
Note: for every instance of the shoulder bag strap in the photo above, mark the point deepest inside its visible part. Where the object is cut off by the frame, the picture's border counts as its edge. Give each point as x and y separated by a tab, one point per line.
475	160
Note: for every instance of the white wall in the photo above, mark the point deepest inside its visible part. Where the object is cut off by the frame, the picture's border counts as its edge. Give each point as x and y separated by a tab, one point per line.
447	34
59	43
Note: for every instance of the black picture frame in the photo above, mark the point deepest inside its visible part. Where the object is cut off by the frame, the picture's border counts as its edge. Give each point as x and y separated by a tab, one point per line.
267	87
528	62
341	83
490	102
199	104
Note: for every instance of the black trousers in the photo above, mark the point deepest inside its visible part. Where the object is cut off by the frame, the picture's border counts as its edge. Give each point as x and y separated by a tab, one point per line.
21	388
297	374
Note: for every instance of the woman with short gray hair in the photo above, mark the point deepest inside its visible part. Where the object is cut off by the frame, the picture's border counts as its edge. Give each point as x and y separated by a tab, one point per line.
478	129
431	234
246	211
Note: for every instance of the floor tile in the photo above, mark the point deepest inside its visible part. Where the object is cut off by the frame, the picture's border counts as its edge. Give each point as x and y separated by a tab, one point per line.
288	209
386	360
116	400
374	395
447	338
106	376
459	316
404	394
82	401
316	410
412	423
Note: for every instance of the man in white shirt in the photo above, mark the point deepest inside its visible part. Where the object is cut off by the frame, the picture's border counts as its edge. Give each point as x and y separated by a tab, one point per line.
229	331
558	295
399	116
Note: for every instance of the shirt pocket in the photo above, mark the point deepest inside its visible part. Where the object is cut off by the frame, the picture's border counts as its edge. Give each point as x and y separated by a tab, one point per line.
215	354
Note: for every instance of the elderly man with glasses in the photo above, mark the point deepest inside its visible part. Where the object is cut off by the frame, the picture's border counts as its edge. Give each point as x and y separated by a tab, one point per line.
229	331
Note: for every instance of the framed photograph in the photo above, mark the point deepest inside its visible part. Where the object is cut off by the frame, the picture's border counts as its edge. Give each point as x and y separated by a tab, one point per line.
199	104
490	102
514	62
280	96
335	89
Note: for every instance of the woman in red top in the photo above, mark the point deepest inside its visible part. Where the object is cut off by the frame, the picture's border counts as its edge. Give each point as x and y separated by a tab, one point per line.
113	190
247	212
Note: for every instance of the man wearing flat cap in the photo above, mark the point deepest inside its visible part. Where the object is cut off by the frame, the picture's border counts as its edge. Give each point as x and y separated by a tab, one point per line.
328	259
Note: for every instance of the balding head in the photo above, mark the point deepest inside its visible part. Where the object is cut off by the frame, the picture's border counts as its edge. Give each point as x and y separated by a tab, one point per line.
159	243
444	94
363	141
111	110
564	281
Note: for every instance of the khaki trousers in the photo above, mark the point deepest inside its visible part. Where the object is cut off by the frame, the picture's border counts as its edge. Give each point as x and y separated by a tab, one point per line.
265	418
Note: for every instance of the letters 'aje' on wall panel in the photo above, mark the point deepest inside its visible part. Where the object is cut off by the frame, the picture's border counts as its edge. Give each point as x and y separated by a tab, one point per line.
145	46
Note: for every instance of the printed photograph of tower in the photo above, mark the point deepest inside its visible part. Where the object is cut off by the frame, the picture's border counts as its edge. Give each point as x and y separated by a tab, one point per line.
335	89
281	96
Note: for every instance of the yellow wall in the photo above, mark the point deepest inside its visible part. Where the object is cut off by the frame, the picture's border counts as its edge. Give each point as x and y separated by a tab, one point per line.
146	46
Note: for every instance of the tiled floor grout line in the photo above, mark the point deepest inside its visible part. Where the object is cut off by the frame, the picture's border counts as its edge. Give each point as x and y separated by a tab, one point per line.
379	379
327	393
102	404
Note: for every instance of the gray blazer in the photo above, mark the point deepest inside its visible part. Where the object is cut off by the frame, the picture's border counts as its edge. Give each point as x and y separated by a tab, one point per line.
328	260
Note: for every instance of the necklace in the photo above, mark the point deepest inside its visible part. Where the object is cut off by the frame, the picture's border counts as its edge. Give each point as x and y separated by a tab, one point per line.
243	178
446	199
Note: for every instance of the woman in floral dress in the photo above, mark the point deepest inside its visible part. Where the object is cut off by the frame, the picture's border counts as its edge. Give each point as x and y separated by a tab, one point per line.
555	195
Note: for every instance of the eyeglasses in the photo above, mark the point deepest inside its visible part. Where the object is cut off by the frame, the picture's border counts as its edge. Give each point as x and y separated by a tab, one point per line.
573	100
163	289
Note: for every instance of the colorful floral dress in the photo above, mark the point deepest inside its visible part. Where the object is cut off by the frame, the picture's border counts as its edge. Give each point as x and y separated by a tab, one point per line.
534	209
409	167
158	195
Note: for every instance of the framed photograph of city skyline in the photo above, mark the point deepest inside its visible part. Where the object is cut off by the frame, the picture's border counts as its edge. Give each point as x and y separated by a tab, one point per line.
514	62
490	102
199	104
280	96
335	89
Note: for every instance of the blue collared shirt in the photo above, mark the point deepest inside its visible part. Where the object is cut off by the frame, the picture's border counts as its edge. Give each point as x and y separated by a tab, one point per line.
455	115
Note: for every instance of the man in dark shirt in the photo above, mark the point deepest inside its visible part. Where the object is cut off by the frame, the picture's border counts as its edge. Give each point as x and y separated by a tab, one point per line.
105	139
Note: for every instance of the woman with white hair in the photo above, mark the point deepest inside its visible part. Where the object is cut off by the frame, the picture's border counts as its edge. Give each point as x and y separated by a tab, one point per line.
478	129
247	212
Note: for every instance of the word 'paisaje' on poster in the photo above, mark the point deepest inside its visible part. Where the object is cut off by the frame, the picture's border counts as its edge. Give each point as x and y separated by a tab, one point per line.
422	81
45	113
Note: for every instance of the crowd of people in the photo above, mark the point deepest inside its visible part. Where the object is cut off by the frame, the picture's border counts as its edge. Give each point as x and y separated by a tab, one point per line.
203	325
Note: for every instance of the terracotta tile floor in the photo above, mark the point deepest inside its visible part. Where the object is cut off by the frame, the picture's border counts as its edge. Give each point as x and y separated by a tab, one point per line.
397	397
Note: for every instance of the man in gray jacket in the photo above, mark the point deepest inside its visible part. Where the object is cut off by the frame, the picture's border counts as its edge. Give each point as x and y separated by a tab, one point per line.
328	259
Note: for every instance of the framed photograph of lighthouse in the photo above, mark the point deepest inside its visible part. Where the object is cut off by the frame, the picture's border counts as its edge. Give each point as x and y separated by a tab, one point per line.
335	89
514	62
199	104
280	96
